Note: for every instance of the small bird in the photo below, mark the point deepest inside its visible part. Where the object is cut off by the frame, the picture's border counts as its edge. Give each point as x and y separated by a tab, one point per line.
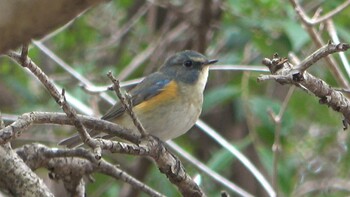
167	102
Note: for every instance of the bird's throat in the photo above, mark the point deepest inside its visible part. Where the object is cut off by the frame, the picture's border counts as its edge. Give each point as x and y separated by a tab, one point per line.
203	77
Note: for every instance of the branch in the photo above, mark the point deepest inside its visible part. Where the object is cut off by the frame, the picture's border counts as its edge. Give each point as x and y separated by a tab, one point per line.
127	104
277	147
321	53
60	99
26	120
170	165
283	72
167	162
18	179
311	22
317	39
71	171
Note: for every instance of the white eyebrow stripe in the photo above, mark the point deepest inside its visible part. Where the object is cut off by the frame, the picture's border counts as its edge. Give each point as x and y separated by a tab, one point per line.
197	59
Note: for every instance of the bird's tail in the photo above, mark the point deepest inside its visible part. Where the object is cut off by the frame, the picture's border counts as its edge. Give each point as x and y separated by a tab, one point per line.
75	140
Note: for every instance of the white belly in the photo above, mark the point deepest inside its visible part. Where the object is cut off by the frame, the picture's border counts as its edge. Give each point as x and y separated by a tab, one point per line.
175	121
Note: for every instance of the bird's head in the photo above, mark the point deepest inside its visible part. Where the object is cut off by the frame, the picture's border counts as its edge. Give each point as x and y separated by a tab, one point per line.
188	67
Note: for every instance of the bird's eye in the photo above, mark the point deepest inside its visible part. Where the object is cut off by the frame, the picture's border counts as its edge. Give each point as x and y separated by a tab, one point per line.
188	63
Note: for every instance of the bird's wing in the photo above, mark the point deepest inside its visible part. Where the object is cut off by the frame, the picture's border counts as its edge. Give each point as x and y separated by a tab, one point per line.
151	86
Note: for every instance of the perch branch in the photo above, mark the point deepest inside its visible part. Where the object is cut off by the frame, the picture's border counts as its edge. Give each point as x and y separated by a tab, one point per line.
26	120
81	163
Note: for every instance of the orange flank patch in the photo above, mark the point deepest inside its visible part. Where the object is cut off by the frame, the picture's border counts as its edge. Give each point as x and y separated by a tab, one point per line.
169	92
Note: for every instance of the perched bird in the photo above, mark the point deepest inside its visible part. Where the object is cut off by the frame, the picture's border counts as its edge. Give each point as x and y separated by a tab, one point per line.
167	102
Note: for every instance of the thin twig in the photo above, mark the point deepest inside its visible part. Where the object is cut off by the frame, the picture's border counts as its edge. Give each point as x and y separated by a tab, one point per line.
321	53
342	90
24	54
99	89
60	99
26	120
251	124
317	39
127	104
276	147
284	73
314	21
53	158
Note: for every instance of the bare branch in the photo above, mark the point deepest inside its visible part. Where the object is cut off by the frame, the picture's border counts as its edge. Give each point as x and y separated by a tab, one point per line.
314	21
284	73
70	165
20	179
321	53
126	102
59	98
167	162
317	39
27	119
170	165
276	147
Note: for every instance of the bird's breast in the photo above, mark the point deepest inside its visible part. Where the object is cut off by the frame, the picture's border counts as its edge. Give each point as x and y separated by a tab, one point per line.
169	117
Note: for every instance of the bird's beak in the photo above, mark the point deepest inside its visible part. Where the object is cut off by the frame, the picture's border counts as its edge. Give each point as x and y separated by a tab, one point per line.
209	62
